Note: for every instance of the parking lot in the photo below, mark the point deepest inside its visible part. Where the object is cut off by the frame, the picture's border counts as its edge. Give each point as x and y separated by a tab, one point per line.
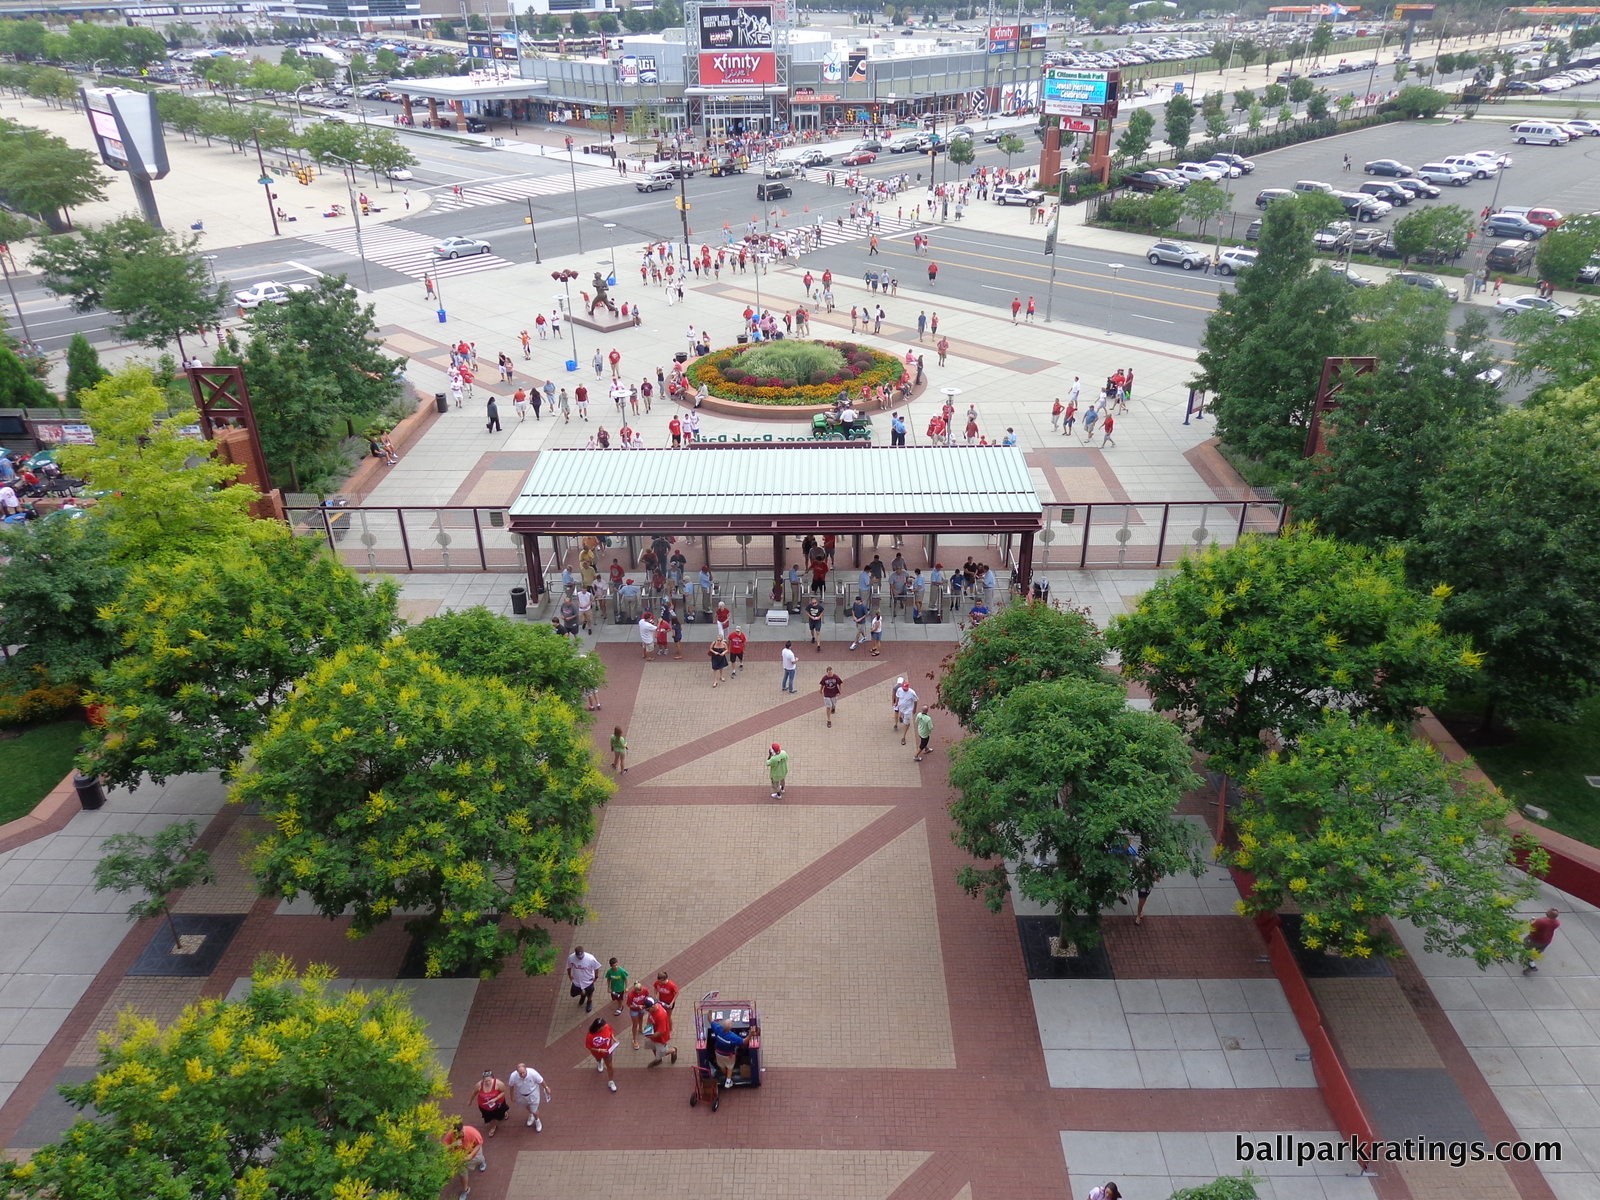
1560	177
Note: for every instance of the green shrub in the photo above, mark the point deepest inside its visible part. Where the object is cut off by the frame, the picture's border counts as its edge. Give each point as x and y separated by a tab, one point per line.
791	361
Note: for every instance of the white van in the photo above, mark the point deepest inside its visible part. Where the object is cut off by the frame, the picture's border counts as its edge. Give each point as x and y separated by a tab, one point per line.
1540	133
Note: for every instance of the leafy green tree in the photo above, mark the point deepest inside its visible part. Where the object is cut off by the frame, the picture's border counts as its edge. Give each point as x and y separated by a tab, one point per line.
160	297
1247	51
1010	145
382	151
1560	355
326	141
1243	99
1274	95
1061	780
42	175
162	495
1021	644
55	578
1262	352
387	63
157	865
1228	1187
579	24
1566	251
1317	105
25	39
531	658
962	152
310	361
212	644
634	20
1204	202
1321	39
1417	101
607	23
1300	90
1433	231
20	387
395	785
1179	121
83	367
1255	117
1513	527
1361	822
1216	123
1136	136
1267	634
241	1100
550	26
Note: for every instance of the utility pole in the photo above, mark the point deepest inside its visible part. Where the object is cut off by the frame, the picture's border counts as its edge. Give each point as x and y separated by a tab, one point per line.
534	229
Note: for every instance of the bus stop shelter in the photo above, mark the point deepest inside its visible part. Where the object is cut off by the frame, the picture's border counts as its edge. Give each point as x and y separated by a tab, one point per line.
778	490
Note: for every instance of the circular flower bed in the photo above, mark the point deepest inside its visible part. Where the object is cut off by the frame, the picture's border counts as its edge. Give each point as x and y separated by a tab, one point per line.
801	373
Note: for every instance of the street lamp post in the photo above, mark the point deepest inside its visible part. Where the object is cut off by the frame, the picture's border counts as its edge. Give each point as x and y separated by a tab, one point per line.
572	165
348	168
611	244
1112	307
535	230
565	278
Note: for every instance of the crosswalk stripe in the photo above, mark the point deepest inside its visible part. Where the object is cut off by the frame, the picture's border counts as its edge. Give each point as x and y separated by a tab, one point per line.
407	252
495	191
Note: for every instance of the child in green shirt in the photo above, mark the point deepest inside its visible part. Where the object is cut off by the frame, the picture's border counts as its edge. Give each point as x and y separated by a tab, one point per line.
617	981
619	751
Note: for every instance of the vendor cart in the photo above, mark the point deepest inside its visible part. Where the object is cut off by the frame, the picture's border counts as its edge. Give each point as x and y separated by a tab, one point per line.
712	1076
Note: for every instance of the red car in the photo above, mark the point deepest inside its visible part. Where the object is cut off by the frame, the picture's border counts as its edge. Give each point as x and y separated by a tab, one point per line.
859	159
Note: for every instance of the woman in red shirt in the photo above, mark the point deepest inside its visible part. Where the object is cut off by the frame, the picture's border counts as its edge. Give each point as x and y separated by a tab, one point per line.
638	997
602	1044
493	1101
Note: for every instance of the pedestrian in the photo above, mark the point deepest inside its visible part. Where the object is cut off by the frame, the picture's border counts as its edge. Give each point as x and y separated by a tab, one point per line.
922	325
1108	1191
427	287
1069	415
1055	415
1016	307
1089	418
617	984
1346	162
924	732
831	688
736	643
638	996
566	407
790	662
619	751
581	395
658	1031
519	403
1540	934
582	970
615	359
666	991
777	769
904	702
456	390
876	632
493	424
527	1089
647	630
814	612
1501	279
599	363
725	1046
1030	309
1105	429
527	345
469	1141
601	1042
933	273
858	614
718	654
493	1101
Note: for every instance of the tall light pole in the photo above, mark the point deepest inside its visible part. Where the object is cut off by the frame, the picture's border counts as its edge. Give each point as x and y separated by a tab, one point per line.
535	230
348	168
572	165
1111	308
611	243
565	278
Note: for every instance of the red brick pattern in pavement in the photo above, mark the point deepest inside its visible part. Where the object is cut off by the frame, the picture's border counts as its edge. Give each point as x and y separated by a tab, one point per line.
1185	948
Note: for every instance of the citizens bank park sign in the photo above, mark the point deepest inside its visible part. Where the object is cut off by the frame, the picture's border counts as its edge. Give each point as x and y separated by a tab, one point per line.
738	47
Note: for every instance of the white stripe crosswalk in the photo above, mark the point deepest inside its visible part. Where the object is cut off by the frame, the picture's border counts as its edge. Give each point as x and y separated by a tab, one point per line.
503	191
407	252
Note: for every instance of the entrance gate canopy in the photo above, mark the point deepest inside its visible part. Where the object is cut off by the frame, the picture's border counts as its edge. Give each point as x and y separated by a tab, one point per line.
778	490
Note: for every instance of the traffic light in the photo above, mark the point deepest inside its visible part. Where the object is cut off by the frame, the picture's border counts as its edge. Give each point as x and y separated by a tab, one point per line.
682	205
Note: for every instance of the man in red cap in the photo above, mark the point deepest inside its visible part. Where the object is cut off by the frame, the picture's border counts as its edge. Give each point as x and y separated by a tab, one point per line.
778	769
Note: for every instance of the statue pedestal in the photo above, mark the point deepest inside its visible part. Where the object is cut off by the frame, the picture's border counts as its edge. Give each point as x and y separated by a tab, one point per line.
603	321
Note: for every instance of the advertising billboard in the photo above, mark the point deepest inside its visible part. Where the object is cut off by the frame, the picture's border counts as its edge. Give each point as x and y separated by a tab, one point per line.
1035	35
738	46
127	131
1005	39
1069	93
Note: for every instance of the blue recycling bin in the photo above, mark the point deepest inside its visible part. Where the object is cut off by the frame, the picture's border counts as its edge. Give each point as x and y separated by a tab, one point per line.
441	316
572	364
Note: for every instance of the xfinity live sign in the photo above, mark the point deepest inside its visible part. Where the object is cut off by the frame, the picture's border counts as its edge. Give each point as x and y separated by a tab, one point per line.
1080	93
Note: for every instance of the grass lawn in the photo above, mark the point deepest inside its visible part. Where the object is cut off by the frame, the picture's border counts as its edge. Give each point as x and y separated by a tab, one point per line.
34	763
1545	765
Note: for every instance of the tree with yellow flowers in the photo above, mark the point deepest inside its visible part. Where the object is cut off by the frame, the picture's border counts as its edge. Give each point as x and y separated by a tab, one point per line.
394	785
297	1091
1360	821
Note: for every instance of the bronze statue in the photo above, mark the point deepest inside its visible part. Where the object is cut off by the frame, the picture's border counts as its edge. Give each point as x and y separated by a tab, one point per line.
601	297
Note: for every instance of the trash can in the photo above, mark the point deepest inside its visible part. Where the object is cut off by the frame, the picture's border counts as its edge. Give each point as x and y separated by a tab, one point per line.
441	402
90	793
519	601
441	316
572	364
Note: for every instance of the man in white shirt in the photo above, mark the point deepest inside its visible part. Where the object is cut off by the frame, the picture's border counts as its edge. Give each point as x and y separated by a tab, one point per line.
789	664
905	707
527	1089
586	610
582	970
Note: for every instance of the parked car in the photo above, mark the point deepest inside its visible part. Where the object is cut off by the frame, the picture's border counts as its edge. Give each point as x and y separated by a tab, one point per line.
1428	283
1389	193
476	125
1181	254
1363	241
1244	164
1235	259
813	158
1012	194
1512	226
1582	128
1147	181
1333	236
1550	218
773	191
1343	271
858	158
1194	172
455	247
656	181
781	168
1420	188
1312	185
1388	166
1444	175
268	291
1363	207
1253	232
962	131
1481	168
401	173
1267	195
872	144
1510	306
994	135
1227	169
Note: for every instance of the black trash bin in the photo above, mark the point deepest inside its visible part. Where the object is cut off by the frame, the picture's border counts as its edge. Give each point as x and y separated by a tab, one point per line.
519	601
90	793
441	402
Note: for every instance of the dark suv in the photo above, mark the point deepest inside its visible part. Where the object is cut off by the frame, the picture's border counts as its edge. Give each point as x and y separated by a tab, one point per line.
1393	193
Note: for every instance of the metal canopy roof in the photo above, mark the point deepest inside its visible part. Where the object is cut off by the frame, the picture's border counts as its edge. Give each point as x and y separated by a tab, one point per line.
763	489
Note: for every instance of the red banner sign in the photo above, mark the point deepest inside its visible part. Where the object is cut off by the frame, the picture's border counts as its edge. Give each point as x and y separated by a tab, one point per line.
738	68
